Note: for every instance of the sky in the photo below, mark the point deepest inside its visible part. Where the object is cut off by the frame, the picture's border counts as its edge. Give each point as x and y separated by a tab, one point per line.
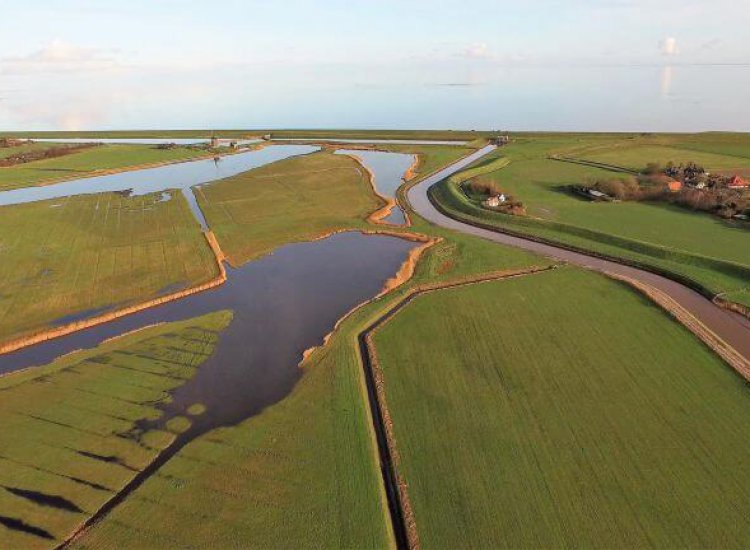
85	64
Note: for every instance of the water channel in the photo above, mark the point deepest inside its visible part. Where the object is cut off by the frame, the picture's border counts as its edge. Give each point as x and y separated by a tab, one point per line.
388	171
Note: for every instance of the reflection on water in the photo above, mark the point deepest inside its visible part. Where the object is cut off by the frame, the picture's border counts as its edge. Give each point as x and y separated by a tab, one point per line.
283	303
666	82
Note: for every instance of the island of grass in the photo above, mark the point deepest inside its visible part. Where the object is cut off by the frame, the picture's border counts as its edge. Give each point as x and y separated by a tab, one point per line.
528	415
69	435
709	253
292	200
70	258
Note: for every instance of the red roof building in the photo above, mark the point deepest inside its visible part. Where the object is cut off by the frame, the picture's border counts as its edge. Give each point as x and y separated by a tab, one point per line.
736	182
674	185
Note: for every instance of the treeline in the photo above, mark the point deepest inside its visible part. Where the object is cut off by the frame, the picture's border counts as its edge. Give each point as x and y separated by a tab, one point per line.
42	154
722	201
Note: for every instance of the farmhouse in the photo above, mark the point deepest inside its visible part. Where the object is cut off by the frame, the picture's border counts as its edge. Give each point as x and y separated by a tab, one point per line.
674	186
495	201
736	182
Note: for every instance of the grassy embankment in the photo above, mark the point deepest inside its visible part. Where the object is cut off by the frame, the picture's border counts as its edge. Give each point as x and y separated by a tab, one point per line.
527	415
709	251
304	472
93	252
69	437
88	162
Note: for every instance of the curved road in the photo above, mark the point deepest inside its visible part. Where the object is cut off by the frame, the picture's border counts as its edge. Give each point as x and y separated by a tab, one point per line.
731	327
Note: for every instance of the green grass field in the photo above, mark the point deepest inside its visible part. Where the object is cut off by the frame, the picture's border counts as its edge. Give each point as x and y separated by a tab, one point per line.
528	415
69	428
87	162
713	252
88	252
292	200
304	472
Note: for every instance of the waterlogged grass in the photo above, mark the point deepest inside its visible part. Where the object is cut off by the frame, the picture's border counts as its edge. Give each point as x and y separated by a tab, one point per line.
528	415
304	472
87	162
89	253
69	438
291	200
713	252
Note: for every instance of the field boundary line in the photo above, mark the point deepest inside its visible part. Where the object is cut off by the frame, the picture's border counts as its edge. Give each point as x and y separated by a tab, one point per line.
396	488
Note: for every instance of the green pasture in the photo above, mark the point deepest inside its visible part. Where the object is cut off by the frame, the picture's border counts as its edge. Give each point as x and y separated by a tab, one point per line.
304	472
292	200
713	252
69	430
93	252
527	415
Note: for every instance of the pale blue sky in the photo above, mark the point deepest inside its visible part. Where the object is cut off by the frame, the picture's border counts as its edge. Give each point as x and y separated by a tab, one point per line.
84	64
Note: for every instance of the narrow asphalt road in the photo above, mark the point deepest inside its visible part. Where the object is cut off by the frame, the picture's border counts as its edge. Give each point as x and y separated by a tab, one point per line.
733	328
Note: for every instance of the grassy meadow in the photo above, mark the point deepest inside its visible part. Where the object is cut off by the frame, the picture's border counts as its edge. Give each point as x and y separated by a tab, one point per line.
287	201
528	415
69	432
304	472
92	252
87	162
713	252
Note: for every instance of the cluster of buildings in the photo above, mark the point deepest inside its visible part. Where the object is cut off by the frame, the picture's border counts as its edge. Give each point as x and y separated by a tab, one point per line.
693	175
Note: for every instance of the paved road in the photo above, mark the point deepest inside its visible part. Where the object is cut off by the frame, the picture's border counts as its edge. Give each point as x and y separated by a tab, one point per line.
733	328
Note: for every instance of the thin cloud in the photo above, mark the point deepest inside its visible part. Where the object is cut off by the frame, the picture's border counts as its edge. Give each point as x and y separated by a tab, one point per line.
59	57
477	50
